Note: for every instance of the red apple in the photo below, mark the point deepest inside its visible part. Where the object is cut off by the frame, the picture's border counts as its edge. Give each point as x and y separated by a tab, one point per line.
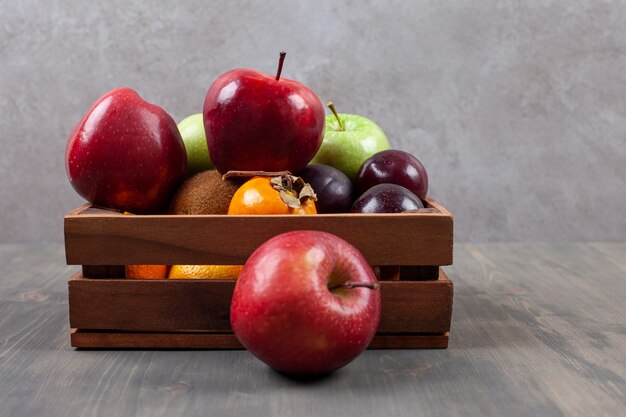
126	153
254	121
306	302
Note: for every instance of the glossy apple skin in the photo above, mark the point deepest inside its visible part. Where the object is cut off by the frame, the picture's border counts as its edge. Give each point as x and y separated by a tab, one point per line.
253	122
393	166
126	154
347	149
386	198
283	312
332	187
191	130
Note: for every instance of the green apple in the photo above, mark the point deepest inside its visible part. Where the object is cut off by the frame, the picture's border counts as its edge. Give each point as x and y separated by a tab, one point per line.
349	140
191	129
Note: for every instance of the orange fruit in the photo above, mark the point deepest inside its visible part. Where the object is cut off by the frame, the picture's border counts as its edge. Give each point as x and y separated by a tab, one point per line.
258	196
205	271
146	271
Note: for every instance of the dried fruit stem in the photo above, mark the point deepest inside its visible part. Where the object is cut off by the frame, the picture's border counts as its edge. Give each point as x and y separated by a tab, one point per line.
249	174
293	190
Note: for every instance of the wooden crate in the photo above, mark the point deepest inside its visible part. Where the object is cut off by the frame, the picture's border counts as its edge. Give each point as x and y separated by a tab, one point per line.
109	311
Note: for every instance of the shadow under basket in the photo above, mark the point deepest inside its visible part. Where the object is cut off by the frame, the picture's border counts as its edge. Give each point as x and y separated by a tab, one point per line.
107	310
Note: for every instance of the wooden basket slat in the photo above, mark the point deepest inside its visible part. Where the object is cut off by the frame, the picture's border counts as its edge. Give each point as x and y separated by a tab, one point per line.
113	312
100	237
198	340
204	305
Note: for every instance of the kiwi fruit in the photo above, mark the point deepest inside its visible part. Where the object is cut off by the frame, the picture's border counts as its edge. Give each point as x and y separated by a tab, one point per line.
204	193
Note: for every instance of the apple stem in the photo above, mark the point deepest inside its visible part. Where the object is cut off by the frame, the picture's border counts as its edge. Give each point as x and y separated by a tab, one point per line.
248	174
331	106
350	284
281	59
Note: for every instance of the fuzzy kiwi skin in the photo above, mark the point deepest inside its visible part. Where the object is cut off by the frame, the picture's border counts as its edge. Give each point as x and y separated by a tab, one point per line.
204	193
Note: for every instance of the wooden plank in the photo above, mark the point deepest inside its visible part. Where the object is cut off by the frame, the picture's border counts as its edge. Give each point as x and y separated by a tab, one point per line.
204	305
614	252
150	305
199	340
416	306
384	239
410	341
152	340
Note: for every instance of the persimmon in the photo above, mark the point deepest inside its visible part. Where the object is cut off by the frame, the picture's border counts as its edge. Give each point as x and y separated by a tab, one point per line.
284	194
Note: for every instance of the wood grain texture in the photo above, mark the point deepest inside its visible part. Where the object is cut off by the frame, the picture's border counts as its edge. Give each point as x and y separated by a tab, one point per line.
202	340
100	237
204	305
152	340
538	330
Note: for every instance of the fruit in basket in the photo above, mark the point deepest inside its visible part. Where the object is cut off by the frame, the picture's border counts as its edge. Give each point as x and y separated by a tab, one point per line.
284	194
349	140
191	129
254	121
386	198
306	302
205	271
204	193
146	271
332	188
393	166
126	153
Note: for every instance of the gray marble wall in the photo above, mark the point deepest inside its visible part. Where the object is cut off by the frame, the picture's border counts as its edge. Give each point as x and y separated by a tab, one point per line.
517	109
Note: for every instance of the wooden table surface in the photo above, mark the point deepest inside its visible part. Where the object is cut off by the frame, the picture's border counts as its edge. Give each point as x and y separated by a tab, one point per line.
537	330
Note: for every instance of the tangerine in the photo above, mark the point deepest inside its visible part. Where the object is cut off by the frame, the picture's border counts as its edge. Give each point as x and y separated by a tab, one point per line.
205	271
146	271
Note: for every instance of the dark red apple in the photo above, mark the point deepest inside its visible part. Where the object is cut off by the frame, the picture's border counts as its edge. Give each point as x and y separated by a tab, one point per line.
126	154
306	302
393	166
254	121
